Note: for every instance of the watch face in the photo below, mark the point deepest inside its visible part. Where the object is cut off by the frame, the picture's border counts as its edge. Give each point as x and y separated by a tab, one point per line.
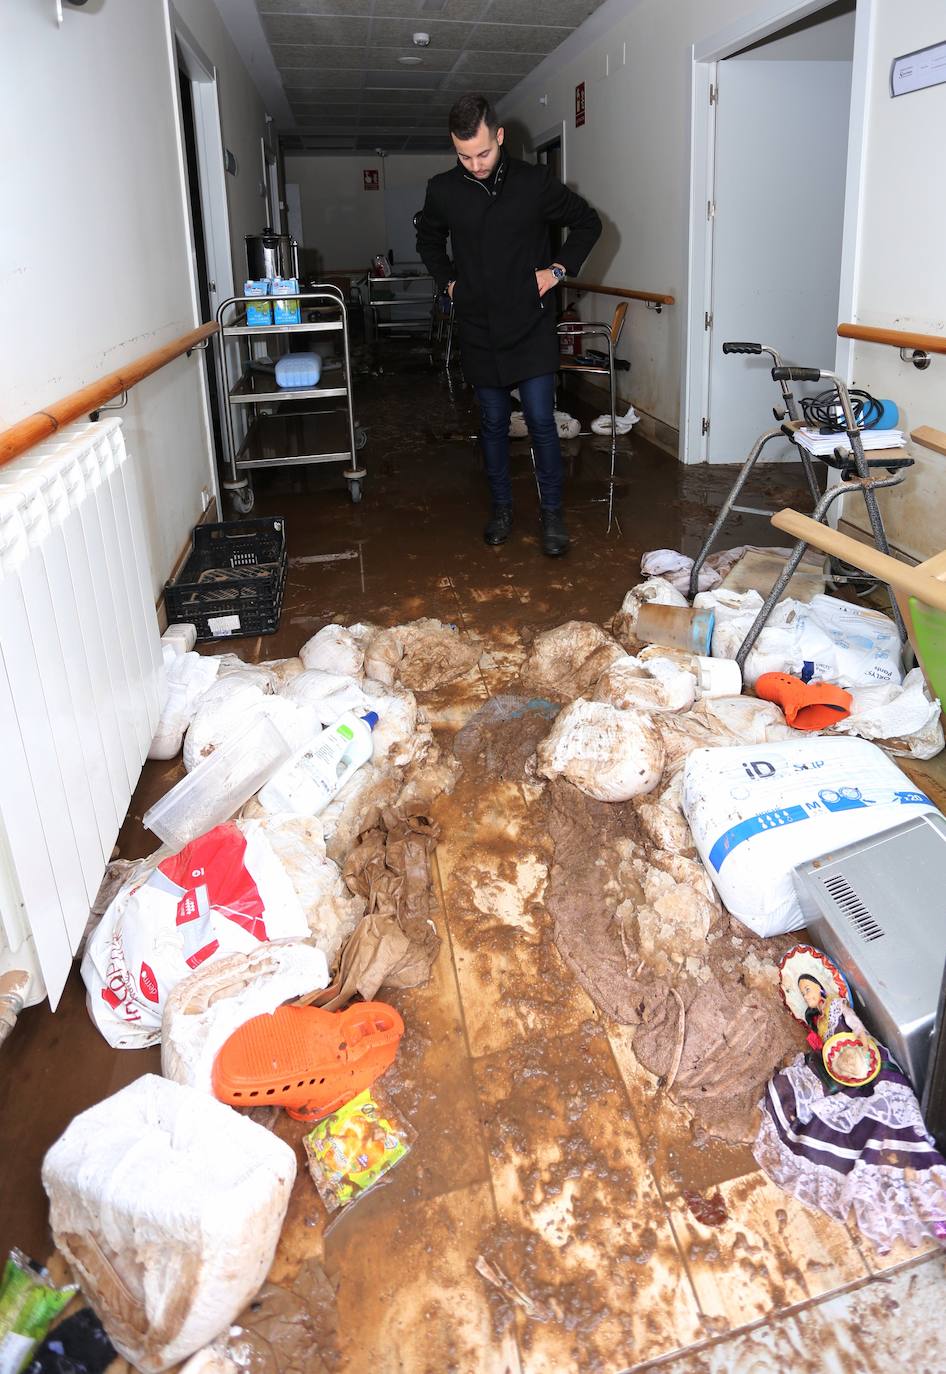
558	273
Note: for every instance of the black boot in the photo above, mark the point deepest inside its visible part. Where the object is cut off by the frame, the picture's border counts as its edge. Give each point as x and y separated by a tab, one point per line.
499	525
554	534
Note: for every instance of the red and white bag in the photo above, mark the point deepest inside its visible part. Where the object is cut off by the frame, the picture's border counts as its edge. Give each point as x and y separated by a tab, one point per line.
225	893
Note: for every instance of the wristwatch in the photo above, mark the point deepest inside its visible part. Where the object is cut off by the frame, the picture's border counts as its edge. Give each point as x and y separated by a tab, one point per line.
557	272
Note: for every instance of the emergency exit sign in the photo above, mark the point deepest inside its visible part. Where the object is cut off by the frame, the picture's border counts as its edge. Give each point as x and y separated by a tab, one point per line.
579	104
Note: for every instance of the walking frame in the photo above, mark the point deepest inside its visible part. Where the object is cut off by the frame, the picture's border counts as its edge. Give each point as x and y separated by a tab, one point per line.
856	477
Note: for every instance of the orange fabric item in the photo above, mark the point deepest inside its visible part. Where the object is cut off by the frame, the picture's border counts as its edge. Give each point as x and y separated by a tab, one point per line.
807	705
307	1060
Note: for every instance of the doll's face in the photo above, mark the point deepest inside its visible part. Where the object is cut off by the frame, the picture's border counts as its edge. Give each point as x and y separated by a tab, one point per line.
811	991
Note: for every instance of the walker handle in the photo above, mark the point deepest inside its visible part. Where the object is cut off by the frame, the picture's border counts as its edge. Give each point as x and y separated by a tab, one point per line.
742	348
796	374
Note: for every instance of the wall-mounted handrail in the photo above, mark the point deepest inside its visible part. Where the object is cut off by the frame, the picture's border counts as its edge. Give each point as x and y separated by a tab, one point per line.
40	425
655	296
897	338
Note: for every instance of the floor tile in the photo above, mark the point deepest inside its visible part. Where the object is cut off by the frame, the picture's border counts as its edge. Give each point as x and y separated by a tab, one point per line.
768	1253
582	1230
681	1155
494	867
410	1300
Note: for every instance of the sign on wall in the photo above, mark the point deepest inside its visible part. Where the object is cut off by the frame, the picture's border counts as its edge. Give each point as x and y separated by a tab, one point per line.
579	104
917	70
372	179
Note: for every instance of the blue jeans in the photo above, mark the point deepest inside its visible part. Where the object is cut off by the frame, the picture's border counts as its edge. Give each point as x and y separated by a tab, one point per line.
538	407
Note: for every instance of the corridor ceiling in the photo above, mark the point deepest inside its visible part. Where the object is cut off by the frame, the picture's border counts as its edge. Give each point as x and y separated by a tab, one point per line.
340	62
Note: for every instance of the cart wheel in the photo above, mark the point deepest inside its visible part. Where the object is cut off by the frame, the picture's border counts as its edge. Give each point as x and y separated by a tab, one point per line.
355	490
361	438
243	500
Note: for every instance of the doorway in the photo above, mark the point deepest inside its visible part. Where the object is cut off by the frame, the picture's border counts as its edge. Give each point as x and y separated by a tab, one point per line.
774	156
202	143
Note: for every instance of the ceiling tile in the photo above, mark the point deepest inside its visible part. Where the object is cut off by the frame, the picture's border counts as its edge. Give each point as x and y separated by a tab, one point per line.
567	13
431	10
525	38
406	78
288	28
315	57
316	7
509	63
431	61
396	33
307	81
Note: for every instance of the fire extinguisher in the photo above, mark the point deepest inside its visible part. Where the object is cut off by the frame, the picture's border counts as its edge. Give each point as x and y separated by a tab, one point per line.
568	342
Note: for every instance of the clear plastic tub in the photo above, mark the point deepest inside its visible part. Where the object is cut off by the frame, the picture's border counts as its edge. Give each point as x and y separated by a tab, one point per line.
217	788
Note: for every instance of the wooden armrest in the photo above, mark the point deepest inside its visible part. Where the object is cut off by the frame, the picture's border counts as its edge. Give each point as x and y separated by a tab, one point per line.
918	582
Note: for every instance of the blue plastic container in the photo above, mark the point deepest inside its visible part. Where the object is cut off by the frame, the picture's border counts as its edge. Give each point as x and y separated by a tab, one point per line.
299	370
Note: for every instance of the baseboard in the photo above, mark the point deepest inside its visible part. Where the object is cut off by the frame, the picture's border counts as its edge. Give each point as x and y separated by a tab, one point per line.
657	432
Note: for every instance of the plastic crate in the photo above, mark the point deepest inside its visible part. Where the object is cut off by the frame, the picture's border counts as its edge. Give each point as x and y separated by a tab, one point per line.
233	581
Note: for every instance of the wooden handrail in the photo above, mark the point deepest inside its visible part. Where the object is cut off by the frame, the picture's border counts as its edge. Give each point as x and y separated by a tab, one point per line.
599	290
40	425
897	338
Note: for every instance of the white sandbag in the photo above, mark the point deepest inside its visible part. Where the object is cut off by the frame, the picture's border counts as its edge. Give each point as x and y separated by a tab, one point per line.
904	720
383	654
657	591
396	739
168	1206
676	567
283	670
756	811
313	685
331	911
660	684
258	673
219	711
189	677
348	698
333	650
567	661
609	754
225	893
826	639
205	1009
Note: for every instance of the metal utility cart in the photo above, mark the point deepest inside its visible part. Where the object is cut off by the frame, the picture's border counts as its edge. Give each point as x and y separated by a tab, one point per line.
286	426
411	292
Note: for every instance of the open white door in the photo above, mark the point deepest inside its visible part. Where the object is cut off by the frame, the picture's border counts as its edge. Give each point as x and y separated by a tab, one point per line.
781	159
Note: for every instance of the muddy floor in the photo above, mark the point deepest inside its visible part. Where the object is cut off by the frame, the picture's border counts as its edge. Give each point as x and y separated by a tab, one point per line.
559	1211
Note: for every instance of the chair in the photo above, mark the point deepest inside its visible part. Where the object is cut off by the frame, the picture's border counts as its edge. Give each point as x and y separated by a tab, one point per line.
579	329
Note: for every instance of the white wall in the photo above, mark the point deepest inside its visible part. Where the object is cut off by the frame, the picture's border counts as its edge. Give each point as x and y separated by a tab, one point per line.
344	224
901	277
95	253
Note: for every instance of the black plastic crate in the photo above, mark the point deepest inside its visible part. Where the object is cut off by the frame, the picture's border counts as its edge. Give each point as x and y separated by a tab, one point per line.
233	581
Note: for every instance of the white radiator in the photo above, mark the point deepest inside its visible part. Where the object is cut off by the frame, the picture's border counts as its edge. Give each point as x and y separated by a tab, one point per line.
81	686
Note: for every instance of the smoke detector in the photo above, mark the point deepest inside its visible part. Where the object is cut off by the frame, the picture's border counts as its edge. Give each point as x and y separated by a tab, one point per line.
421	40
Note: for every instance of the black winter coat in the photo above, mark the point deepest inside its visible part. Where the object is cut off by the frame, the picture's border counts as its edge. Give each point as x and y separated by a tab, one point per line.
499	237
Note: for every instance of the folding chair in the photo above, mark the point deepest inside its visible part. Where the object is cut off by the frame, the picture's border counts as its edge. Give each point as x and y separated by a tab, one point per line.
578	329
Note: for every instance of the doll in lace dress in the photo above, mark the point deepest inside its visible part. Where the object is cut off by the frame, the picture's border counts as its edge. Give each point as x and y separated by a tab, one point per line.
838	1147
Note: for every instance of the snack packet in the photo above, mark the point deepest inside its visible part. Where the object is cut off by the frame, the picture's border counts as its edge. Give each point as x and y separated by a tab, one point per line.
351	1149
29	1301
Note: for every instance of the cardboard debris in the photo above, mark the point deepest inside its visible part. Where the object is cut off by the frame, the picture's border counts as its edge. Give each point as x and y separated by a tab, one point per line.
396	943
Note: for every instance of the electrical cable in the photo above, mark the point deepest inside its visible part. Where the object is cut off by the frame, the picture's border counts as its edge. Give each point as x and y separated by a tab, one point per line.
823	412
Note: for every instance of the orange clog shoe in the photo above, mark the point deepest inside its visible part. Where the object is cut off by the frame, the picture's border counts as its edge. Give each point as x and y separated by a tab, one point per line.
307	1060
807	705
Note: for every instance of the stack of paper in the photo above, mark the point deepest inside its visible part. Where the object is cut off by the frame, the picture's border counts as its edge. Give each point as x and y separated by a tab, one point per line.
822	444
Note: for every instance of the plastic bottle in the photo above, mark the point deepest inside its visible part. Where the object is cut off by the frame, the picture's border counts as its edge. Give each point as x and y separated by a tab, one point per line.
307	782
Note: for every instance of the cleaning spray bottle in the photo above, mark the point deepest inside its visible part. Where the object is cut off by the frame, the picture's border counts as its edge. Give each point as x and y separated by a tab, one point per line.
307	782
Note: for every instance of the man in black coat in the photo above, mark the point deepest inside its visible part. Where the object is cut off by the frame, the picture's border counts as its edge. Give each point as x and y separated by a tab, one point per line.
497	211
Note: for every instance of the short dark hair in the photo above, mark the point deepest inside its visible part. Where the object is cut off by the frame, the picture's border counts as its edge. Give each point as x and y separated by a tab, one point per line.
468	113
